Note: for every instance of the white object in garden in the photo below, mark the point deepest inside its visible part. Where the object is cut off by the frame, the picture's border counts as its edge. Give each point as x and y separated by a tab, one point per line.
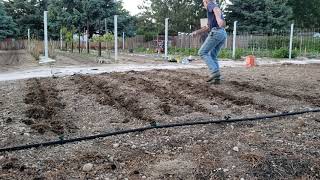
185	60
82	38
116	37
236	149
291	39
316	35
204	22
190	58
87	167
234	39
166	38
45	59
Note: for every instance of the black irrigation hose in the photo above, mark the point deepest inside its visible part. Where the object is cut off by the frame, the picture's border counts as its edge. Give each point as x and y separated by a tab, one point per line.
227	120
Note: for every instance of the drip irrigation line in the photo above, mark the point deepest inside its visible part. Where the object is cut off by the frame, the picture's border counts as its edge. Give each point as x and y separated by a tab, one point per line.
155	126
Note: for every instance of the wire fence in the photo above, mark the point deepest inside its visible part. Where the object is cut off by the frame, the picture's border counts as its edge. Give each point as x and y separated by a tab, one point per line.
12	44
305	42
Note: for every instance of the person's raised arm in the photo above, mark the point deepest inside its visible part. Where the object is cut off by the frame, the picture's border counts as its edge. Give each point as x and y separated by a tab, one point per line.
218	14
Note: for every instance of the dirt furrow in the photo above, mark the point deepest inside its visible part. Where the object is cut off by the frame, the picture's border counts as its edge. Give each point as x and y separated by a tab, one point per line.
111	94
168	94
45	104
206	91
287	94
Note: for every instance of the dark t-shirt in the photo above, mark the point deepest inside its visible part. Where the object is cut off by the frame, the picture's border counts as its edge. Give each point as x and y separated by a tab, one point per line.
211	16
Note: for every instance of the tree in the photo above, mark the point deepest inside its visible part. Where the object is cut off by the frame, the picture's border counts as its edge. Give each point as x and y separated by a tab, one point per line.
147	28
258	15
126	22
67	15
27	14
7	26
81	14
89	14
181	14
306	14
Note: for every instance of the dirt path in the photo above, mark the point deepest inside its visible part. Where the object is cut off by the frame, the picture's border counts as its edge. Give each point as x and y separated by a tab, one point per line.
15	65
38	110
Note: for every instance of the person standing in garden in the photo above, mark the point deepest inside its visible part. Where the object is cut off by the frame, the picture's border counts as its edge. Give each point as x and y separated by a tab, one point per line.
216	38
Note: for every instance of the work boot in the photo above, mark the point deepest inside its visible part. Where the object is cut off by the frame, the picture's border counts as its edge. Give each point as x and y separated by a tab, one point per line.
215	78
215	82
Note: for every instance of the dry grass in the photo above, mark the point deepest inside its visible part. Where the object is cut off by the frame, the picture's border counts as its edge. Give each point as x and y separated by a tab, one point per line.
253	159
37	48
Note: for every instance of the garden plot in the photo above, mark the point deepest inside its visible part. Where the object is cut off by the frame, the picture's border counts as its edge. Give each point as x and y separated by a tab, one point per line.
44	109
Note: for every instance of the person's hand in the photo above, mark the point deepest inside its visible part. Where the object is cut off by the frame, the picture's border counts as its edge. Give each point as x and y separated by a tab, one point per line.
194	33
200	31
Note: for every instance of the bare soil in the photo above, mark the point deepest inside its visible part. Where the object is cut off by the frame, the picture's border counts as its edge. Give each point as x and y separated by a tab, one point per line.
38	110
64	58
16	60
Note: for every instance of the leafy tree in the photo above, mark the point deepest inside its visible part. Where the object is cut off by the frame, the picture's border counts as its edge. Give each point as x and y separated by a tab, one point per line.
81	14
64	14
181	14
147	28
7	26
306	14
90	14
258	15
27	14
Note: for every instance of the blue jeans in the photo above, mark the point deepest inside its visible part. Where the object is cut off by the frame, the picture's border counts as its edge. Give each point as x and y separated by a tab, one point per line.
210	49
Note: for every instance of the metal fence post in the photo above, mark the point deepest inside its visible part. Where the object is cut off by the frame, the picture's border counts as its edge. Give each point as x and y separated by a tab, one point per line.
116	37
123	38
29	40
226	43
234	40
106	31
166	37
61	40
291	40
46	51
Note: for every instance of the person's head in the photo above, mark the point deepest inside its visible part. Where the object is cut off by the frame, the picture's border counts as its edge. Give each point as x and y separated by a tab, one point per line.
205	3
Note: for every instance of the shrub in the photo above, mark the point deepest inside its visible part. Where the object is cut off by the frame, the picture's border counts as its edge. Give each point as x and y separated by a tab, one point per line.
225	54
277	42
140	49
149	36
284	53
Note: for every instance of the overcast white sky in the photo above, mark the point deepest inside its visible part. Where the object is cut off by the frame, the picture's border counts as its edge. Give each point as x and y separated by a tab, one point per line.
132	6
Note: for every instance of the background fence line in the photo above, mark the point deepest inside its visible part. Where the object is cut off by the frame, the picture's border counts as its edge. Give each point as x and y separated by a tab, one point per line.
305	42
11	44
